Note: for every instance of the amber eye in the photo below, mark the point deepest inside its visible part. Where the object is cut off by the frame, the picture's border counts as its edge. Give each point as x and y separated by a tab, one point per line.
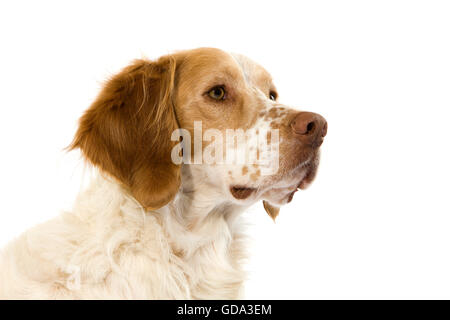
273	95
217	93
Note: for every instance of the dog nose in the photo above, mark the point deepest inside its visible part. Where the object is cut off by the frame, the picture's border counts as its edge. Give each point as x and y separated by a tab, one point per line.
310	128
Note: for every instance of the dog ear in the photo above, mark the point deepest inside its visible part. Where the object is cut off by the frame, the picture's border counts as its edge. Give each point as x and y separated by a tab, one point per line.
126	131
271	210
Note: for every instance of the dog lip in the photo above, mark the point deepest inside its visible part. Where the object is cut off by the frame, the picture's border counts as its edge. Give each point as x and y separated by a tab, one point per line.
291	195
241	192
297	188
308	178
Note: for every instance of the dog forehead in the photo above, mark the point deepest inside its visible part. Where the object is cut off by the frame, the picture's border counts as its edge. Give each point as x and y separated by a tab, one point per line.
253	73
202	61
205	61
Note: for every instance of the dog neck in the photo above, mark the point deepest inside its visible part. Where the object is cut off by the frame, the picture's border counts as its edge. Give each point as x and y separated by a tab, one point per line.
199	215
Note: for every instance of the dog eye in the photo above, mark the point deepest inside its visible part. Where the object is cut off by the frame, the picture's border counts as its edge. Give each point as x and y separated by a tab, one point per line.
217	93
273	95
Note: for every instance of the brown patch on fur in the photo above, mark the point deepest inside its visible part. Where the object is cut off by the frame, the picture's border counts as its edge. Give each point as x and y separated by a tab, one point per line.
126	131
244	170
272	113
275	124
254	176
269	136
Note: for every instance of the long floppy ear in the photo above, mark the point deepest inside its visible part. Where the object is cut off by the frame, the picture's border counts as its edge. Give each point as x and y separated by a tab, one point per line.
126	131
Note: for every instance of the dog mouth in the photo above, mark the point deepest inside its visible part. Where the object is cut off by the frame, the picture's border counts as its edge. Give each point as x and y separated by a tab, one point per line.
241	192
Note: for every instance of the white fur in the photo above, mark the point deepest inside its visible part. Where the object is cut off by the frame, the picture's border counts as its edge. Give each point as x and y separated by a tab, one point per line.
109	248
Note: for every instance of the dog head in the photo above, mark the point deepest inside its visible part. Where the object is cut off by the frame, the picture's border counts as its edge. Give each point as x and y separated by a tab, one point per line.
206	116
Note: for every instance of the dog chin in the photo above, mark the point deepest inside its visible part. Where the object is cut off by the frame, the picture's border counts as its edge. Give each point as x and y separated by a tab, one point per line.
281	196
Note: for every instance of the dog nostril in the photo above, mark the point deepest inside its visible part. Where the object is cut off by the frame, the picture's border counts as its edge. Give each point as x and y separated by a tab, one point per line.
310	127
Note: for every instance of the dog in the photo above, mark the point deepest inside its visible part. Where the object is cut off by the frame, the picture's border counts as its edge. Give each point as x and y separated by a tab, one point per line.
158	221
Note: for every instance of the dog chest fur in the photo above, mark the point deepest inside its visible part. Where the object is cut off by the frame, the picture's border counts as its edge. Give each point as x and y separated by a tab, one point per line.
108	247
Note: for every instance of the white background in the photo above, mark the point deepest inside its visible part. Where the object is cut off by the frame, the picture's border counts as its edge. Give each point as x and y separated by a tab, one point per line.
375	224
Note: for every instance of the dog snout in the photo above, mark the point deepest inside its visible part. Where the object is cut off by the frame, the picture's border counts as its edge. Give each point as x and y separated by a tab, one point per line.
310	128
